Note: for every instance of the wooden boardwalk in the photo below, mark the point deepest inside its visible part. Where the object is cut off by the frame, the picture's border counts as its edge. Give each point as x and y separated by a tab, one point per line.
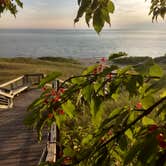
18	144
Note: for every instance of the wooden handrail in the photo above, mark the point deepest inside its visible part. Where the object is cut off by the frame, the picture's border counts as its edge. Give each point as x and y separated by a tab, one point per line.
11	82
6	94
13	87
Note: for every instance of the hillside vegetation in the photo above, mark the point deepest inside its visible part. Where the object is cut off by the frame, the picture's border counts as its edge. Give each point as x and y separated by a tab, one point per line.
14	67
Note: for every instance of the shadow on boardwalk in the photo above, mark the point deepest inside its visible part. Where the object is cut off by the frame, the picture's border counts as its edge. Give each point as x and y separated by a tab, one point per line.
18	144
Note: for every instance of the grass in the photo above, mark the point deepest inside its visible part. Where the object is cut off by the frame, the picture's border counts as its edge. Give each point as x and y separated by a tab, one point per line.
11	68
59	59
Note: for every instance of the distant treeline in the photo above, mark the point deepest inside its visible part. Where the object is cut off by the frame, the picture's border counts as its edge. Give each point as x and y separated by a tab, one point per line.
136	60
59	59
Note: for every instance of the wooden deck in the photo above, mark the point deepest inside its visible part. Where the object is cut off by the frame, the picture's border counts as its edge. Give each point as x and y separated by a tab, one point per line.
18	144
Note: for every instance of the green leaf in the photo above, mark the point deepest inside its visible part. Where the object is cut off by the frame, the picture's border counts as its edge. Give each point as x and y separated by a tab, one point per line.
78	81
98	20
19	3
69	108
124	70
144	67
89	70
87	92
147	121
50	77
109	69
147	101
114	112
110	6
156	70
129	134
87	139
96	110
158	85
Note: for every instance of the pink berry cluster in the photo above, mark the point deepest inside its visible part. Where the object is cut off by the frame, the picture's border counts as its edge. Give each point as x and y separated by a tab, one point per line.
159	137
53	96
101	67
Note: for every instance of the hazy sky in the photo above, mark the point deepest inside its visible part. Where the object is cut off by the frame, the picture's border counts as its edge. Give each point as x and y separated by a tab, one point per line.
60	14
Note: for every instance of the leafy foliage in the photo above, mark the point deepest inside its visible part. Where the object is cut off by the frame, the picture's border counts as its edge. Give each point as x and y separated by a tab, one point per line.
96	10
94	134
158	8
10	5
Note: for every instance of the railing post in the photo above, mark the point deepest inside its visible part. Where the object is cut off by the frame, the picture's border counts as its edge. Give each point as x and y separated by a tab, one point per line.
25	80
53	147
55	85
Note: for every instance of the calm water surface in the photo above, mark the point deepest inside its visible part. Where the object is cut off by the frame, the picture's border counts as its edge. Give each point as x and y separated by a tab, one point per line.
81	43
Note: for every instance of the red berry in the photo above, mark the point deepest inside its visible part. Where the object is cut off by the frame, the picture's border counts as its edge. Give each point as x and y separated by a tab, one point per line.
61	112
103	60
67	160
57	98
153	128
139	105
46	101
47	94
61	90
109	76
100	68
95	71
110	132
53	92
160	137
102	139
50	115
44	88
162	144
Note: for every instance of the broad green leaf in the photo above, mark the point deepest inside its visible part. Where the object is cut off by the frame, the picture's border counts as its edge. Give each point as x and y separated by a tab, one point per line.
158	85
147	121
78	81
89	70
147	101
87	92
96	111
163	94
109	69
19	3
98	20
114	112
129	134
50	77
144	67
124	70
68	108
87	139
106	16
156	70
110	6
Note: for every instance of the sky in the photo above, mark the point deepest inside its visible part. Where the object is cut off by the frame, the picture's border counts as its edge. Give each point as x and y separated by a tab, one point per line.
59	14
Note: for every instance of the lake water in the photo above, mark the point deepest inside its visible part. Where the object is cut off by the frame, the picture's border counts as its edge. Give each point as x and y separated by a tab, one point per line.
81	43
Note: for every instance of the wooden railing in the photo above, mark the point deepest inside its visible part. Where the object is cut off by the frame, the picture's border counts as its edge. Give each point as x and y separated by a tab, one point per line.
52	148
12	88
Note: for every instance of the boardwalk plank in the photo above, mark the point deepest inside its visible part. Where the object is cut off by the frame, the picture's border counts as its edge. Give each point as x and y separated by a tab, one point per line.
18	144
